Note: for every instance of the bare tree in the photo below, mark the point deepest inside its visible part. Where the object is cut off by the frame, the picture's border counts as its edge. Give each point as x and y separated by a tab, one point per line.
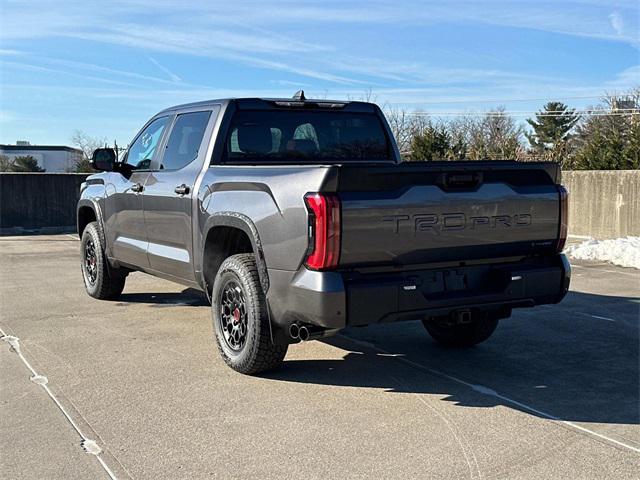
87	144
6	163
496	136
366	96
404	126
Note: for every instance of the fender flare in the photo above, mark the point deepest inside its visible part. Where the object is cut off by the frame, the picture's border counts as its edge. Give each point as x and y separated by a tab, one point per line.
244	223
93	205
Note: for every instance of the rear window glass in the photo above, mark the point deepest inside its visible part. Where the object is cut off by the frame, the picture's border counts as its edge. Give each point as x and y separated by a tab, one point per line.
185	139
286	135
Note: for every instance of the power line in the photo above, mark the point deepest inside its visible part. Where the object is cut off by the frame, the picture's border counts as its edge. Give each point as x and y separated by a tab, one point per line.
540	99
594	113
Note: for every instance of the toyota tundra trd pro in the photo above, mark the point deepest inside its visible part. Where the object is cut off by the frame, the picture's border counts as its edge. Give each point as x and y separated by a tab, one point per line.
297	219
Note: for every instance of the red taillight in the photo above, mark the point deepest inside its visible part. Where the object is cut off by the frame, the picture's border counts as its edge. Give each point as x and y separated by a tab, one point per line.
324	231
564	217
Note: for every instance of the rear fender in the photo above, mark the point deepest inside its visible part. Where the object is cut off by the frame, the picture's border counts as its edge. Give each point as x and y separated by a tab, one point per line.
244	223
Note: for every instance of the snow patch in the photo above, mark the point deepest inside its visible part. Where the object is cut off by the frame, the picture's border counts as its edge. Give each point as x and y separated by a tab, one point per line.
620	251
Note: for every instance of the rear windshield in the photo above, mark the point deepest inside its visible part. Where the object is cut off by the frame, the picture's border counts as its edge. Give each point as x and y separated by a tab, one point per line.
294	136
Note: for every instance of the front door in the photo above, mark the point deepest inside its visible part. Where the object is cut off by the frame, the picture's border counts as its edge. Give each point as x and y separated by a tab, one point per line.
168	196
124	215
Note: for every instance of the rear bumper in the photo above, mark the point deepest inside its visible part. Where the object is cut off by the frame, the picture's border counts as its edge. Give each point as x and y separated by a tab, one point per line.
339	299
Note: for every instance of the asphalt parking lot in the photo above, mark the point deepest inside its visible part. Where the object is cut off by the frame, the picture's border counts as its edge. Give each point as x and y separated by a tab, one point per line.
553	394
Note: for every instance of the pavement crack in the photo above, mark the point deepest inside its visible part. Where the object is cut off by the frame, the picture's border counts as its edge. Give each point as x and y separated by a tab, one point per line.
88	445
490	392
464	444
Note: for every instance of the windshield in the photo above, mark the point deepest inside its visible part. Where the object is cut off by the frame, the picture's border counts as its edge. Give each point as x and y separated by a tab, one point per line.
286	135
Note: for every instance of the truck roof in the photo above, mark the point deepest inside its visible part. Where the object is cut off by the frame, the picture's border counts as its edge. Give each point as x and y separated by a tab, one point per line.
257	102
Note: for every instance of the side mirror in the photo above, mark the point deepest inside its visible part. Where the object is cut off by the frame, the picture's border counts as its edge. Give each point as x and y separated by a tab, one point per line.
104	159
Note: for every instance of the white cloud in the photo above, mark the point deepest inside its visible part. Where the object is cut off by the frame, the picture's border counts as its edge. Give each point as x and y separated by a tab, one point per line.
292	40
290	83
4	52
617	23
172	76
625	80
250	32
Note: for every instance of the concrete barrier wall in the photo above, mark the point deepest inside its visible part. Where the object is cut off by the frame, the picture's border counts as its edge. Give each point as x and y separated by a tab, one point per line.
603	203
39	202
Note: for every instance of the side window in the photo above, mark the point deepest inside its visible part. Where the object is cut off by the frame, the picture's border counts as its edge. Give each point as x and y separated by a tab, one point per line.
184	140
142	150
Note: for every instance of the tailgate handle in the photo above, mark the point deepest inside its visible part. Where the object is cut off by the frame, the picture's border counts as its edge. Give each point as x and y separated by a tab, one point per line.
462	180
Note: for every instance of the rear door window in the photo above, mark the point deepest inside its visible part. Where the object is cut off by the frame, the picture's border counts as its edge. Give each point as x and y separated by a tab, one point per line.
185	139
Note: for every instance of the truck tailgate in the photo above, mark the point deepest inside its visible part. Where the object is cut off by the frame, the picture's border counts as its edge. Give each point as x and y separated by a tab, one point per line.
447	211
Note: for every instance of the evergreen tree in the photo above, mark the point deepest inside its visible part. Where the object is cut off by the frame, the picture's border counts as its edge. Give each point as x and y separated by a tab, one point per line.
552	130
83	165
610	139
632	149
26	164
432	143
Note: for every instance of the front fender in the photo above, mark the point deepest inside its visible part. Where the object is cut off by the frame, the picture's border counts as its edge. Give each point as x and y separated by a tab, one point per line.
92	196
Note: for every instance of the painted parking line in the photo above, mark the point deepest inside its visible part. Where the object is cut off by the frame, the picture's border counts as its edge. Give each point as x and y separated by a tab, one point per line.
493	393
88	445
598	267
599	317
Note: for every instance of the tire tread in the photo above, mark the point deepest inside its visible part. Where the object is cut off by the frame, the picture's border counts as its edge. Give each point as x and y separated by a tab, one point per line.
110	281
264	354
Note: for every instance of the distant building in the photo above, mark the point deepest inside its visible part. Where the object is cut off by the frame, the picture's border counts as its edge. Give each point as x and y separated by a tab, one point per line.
53	158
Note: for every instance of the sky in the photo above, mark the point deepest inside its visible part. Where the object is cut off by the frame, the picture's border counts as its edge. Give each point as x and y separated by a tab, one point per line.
105	67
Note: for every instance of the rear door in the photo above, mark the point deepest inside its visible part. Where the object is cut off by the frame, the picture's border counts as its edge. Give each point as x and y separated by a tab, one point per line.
168	194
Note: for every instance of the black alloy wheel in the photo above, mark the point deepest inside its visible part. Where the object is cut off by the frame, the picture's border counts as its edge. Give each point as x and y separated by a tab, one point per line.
241	320
90	262
233	316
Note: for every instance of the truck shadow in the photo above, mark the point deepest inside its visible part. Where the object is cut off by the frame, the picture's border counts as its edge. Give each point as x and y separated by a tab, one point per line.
560	360
188	296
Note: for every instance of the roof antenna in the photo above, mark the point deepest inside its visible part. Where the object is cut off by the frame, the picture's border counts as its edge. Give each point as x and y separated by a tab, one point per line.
299	95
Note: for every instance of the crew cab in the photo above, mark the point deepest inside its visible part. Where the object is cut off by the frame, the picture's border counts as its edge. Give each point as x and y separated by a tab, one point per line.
297	219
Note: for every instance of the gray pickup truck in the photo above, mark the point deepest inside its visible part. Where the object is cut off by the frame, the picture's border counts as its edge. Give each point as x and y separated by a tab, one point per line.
297	219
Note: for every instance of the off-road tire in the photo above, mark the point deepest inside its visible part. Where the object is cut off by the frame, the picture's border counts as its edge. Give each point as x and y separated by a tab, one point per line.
105	282
258	353
461	335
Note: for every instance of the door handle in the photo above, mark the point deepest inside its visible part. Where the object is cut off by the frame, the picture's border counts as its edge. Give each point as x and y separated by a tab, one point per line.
182	189
137	187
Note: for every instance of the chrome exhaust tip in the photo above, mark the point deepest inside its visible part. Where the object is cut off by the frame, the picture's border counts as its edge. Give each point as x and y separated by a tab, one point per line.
294	331
303	333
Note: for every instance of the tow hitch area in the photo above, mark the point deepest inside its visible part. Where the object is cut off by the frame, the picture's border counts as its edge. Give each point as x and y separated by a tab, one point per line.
461	316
